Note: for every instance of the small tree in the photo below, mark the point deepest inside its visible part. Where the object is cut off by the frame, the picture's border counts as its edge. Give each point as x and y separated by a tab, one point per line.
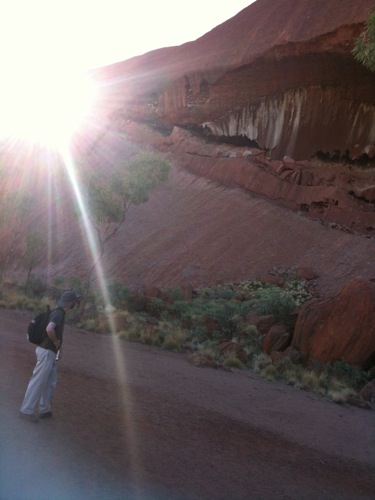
13	210
364	48
35	245
111	196
278	303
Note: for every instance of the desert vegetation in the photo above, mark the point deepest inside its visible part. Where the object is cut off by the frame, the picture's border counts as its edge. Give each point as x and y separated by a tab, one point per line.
214	326
364	49
110	196
105	198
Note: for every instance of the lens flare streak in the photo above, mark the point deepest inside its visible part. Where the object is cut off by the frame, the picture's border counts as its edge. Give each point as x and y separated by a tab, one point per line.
128	423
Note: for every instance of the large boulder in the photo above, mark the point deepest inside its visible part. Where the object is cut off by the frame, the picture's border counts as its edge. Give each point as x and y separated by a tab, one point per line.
340	327
277	339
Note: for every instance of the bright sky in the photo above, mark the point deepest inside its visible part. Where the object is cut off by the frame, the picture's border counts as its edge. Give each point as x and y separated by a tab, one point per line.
45	45
97	32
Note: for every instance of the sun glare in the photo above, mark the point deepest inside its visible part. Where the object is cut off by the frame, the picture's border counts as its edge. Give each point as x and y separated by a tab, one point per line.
44	105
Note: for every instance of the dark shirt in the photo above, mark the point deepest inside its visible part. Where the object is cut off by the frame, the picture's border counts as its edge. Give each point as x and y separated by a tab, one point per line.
58	318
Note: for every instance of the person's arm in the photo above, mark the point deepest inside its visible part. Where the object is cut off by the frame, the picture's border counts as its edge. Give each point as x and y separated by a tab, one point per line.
52	334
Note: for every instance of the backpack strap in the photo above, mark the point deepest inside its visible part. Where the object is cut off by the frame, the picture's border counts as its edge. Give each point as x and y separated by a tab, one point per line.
57	309
60	308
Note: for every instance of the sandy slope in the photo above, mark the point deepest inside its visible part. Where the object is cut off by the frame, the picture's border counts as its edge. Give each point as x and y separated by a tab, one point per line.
193	231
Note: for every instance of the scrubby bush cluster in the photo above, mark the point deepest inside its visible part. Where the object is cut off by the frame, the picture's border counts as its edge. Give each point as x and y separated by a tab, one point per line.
206	323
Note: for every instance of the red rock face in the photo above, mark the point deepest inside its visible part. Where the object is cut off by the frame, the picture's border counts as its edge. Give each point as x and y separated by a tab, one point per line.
339	328
338	195
280	73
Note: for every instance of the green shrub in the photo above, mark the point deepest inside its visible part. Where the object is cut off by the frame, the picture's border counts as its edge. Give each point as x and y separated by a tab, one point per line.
181	309
209	351
75	283
155	307
132	334
293	374
175	294
270	372
291	362
261	361
21	301
323	383
353	376
244	308
148	338
340	395
309	378
232	361
199	333
298	291
182	325
277	303
225	314
135	303
364	48
249	331
251	341
58	283
118	293
293	377
37	287
175	341
220	292
90	324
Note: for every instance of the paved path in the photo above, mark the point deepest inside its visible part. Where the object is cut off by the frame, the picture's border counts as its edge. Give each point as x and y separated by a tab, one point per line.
135	422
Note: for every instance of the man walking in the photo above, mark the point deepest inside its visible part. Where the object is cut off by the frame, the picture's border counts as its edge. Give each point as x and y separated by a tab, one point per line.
44	378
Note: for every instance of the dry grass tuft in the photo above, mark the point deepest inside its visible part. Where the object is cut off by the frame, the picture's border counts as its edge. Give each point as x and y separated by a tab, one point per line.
232	361
175	341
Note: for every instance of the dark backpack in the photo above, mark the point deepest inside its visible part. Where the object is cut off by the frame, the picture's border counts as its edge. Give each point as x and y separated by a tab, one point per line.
36	331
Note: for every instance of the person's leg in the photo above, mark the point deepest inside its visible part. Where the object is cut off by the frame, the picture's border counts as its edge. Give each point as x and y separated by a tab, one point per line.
41	373
45	400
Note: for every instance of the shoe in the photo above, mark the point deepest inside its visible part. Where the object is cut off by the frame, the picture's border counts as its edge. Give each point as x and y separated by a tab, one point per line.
30	417
47	414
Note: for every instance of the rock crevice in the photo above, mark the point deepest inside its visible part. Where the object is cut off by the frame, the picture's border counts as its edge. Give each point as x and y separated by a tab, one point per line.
288	82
